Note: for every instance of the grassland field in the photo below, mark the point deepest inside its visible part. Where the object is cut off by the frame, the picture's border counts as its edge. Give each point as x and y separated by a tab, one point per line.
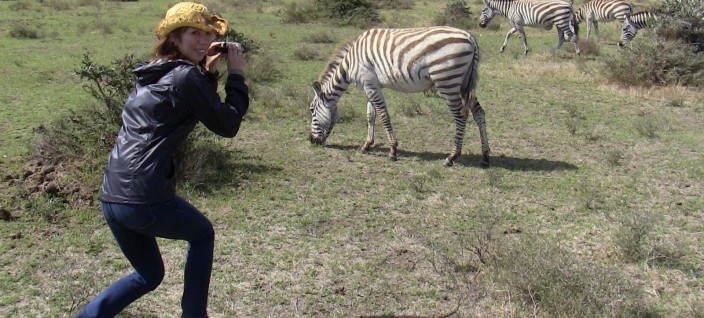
594	200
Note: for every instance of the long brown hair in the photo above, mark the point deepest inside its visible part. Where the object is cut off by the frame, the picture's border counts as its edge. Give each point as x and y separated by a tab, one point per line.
166	48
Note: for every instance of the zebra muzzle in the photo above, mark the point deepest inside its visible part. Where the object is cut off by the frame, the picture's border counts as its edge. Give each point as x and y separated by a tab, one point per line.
316	140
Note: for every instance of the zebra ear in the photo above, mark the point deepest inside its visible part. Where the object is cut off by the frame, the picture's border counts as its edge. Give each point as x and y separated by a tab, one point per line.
317	88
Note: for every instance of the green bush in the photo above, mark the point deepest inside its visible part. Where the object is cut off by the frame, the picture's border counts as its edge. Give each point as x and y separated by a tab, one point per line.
682	20
674	57
24	32
653	61
359	13
297	13
396	4
456	14
248	45
109	84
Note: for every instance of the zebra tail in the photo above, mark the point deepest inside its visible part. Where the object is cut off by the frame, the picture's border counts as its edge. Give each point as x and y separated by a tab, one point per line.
469	83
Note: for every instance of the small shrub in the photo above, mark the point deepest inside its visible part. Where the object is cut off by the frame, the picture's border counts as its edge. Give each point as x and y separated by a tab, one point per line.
410	107
262	68
615	158
206	163
682	20
677	103
20	31
297	13
359	13
307	53
104	27
57	5
248	45
540	275
20	6
632	237
495	177
664	253
648	126
456	14
396	4
651	61
588	47
575	118
321	37
110	85
420	183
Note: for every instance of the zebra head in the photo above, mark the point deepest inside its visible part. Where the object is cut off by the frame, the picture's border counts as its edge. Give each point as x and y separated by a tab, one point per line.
486	16
628	32
325	115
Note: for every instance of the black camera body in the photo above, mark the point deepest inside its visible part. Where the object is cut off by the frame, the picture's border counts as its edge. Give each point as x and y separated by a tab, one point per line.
222	48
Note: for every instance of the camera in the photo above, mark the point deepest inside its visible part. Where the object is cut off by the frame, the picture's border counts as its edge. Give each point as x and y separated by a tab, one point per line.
223	47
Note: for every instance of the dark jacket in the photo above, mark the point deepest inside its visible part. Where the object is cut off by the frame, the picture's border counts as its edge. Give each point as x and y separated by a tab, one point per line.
169	100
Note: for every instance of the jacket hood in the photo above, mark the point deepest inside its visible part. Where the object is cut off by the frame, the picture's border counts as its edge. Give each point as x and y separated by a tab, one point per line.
150	73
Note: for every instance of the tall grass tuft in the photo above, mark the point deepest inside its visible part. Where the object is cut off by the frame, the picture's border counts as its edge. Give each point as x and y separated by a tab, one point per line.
545	278
262	68
632	237
307	53
320	37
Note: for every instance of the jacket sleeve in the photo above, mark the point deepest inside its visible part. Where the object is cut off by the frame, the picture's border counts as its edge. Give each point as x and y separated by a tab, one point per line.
197	93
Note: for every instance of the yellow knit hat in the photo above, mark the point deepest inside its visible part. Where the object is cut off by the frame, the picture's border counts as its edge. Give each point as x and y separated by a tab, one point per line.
190	14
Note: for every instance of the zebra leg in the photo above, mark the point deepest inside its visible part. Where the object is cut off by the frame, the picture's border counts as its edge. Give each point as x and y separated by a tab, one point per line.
525	41
376	99
508	35
596	30
478	114
589	28
371	120
460	114
560	40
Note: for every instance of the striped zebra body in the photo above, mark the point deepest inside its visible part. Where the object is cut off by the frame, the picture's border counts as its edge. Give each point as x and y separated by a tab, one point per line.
596	11
534	13
643	19
405	60
640	20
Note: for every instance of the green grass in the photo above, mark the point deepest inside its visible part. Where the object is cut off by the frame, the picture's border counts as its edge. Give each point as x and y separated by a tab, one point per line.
329	231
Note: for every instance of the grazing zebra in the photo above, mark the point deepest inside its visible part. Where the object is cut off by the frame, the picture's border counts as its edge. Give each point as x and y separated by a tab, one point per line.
405	60
606	11
640	20
535	13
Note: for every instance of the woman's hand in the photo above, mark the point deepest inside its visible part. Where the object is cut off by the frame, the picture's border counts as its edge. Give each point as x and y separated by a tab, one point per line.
235	58
212	57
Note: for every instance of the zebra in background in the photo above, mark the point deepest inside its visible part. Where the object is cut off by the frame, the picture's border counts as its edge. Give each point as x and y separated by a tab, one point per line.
596	11
404	60
535	13
640	20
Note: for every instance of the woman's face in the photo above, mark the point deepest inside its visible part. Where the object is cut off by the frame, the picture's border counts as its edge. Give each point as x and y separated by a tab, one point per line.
194	43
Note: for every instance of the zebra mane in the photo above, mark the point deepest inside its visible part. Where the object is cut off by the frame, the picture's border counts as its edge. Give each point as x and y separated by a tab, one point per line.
334	62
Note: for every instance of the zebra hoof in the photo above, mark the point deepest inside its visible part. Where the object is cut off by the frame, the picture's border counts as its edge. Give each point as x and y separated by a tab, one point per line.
484	164
448	163
392	158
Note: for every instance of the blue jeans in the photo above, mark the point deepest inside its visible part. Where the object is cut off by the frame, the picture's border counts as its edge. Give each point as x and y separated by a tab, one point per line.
135	227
